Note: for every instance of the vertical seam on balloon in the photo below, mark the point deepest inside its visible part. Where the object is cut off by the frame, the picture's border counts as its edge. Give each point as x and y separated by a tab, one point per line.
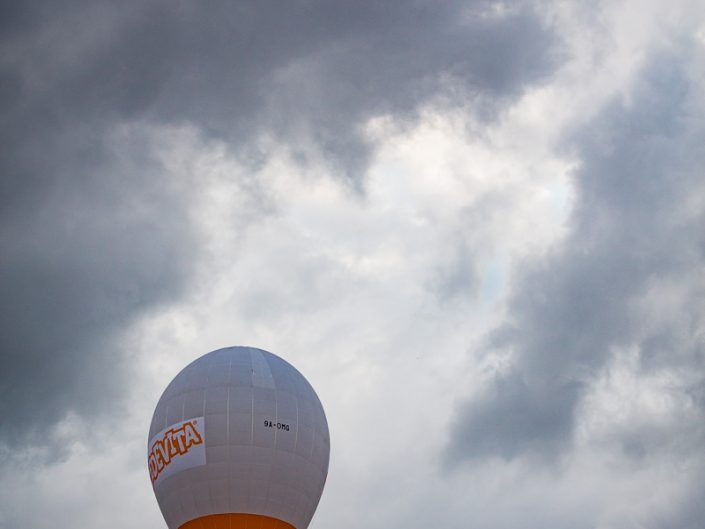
296	399
276	418
227	423
227	409
252	414
274	448
313	429
205	388
298	425
204	398
313	443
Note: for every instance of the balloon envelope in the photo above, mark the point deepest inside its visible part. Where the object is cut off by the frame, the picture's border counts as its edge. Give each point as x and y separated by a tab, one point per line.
238	439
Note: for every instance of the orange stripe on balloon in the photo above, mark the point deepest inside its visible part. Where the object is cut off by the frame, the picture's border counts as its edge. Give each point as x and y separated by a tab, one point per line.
236	521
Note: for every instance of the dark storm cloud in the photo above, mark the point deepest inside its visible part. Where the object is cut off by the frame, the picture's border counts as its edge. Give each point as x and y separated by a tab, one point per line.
95	232
315	67
80	261
634	227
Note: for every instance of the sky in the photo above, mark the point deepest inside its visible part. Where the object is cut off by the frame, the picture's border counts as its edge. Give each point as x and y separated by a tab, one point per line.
476	227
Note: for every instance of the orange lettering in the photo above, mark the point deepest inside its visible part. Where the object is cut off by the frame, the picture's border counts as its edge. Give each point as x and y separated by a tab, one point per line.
191	435
175	442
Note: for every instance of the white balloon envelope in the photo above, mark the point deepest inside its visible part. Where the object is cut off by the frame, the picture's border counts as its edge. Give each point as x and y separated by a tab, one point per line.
238	439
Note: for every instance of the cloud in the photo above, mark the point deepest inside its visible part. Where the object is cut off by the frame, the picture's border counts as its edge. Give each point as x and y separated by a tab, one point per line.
96	229
81	259
628	276
321	68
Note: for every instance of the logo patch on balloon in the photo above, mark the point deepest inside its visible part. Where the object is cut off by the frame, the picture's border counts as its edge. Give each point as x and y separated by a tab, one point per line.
176	448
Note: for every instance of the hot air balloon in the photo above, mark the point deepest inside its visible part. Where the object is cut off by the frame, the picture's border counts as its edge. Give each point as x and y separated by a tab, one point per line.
238	439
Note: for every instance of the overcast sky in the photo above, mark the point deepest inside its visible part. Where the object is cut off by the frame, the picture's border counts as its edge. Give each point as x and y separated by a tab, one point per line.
476	227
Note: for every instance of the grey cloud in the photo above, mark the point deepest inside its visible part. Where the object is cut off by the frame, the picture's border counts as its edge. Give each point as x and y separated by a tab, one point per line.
687	514
456	280
569	312
79	263
317	66
514	418
91	238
